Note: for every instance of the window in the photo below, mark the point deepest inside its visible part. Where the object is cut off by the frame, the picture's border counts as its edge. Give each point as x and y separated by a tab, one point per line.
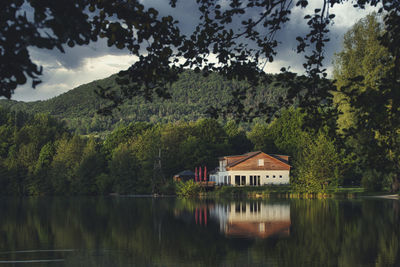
237	208
224	179
229	179
261	162
273	176
267	177
262	227
258	180
243	180
280	176
251	180
237	179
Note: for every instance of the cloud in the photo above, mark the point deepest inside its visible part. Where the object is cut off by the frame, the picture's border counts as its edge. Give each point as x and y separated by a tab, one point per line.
74	57
58	79
346	17
83	64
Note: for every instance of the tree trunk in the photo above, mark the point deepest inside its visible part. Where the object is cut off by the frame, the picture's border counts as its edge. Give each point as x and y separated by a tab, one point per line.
395	184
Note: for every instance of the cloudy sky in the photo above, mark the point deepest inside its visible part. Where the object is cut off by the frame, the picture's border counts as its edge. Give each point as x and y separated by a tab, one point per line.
80	65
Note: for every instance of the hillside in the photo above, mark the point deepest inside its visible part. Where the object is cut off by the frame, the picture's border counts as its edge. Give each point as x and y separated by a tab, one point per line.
192	95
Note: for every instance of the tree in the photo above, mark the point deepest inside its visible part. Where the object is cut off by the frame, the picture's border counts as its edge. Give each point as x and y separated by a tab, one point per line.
362	55
146	148
174	159
368	78
65	164
288	133
318	165
259	137
91	166
237	138
163	51
124	171
123	133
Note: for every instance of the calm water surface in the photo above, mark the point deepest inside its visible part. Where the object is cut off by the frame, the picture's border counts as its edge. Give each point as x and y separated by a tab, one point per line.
171	232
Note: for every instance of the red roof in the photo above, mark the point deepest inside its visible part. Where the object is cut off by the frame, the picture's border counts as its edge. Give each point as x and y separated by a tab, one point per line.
282	158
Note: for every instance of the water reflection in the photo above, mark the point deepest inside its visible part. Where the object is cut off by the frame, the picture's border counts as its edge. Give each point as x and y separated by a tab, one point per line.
173	232
253	219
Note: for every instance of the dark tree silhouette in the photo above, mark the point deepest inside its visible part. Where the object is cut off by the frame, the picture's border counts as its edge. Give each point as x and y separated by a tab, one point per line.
164	51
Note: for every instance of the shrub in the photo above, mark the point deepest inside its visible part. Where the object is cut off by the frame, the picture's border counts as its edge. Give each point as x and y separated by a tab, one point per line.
372	180
168	188
187	189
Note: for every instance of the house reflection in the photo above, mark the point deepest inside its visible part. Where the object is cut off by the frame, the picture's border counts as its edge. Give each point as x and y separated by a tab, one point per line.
253	219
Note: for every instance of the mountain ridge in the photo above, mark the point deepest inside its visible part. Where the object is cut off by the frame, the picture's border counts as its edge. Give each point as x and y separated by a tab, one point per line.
191	95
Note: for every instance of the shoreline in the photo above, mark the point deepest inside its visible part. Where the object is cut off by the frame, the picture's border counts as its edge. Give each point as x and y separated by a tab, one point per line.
392	196
287	193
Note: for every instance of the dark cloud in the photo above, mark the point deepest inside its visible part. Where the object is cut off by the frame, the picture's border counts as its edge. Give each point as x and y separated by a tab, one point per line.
186	12
74	57
73	60
346	16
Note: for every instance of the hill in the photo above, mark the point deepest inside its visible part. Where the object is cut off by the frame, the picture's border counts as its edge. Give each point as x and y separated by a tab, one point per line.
192	95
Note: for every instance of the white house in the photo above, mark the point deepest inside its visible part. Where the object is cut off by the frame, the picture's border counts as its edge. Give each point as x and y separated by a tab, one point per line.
252	169
253	218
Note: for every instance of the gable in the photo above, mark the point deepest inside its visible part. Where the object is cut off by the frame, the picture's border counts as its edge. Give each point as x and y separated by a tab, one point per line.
252	163
231	160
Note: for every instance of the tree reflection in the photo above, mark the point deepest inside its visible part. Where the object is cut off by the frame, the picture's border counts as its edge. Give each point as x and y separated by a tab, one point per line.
153	232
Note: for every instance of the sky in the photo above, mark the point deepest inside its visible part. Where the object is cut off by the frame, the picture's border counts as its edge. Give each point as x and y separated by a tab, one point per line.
83	64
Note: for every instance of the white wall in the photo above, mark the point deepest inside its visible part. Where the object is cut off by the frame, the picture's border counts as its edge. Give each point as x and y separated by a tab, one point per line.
220	177
263	176
267	213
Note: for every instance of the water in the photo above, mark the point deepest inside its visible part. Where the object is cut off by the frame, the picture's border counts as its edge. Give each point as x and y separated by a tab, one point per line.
171	232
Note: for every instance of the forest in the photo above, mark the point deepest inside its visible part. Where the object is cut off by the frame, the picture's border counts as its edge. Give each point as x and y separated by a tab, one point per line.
191	96
351	139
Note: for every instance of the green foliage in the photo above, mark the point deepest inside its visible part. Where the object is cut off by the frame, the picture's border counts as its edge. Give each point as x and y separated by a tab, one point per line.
319	165
191	96
45	157
188	189
362	55
376	181
288	133
372	180
237	137
122	134
163	50
259	137
92	165
39	156
124	169
368	85
104	183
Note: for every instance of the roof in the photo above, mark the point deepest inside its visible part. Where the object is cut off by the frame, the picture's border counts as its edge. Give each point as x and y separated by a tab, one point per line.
282	158
244	157
252	229
185	173
235	156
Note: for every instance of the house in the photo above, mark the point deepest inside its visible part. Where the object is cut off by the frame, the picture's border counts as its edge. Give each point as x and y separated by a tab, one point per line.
252	169
254	219
184	176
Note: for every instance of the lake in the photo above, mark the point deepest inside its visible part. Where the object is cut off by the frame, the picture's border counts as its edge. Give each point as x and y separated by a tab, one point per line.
132	231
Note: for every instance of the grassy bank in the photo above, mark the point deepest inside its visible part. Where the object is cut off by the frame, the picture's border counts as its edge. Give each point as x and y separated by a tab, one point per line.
286	191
